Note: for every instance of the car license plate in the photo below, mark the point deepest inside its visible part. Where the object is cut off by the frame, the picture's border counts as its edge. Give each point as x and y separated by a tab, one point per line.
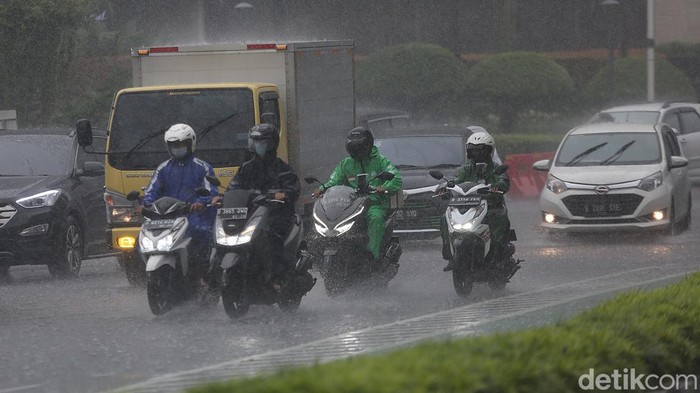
406	214
465	201
159	224
603	208
233	213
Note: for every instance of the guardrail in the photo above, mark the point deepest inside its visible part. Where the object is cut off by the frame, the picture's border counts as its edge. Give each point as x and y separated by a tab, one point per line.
526	182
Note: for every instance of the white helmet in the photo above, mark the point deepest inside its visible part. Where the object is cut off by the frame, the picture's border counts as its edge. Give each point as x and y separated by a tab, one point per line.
480	147
181	133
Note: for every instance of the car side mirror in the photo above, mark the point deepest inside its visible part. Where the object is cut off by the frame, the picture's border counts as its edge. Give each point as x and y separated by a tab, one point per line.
437	175
84	131
542	165
678	162
91	169
311	180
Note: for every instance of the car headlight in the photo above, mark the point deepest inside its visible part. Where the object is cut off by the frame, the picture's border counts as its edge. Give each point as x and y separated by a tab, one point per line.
235	240
46	198
651	182
555	185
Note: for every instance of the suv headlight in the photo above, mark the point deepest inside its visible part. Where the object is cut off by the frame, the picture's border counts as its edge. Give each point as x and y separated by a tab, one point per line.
120	209
46	198
555	185
651	182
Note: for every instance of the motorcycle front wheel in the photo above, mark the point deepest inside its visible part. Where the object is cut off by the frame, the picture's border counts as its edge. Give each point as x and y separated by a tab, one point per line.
232	297
161	297
463	285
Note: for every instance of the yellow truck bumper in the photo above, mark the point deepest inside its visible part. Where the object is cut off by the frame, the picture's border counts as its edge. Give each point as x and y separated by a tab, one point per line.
124	239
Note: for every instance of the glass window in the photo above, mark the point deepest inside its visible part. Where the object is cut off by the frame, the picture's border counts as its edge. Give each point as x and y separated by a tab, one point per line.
691	122
635	116
671	142
36	155
423	151
270	109
622	148
672	120
99	144
220	117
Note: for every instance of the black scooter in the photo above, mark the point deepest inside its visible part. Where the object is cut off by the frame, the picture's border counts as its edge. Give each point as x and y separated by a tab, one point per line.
242	254
340	244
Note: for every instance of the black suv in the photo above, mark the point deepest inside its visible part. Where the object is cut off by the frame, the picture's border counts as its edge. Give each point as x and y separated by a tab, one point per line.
52	210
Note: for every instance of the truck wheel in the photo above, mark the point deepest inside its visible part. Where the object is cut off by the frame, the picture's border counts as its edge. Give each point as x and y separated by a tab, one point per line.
134	268
68	250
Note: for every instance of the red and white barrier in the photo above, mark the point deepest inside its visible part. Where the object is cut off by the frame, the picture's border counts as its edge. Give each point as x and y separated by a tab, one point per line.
526	182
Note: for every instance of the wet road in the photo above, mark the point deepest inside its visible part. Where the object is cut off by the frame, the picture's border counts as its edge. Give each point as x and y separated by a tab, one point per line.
97	333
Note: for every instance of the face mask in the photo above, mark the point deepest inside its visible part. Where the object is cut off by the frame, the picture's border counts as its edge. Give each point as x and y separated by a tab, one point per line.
261	149
178	152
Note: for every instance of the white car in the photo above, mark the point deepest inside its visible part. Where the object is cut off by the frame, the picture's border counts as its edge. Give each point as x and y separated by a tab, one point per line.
684	117
616	176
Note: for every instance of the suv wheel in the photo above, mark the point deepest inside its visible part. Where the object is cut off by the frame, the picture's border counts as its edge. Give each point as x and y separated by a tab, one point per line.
68	250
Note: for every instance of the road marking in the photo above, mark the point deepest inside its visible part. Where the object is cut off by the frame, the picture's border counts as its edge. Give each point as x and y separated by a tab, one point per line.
21	388
454	322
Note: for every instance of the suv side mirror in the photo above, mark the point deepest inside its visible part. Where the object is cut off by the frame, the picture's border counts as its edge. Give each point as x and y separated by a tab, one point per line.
84	130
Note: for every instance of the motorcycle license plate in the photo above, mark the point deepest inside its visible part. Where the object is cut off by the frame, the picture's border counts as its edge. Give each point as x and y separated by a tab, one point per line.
233	213
159	224
465	201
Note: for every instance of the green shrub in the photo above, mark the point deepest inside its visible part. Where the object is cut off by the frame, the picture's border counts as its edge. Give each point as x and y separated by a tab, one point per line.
631	83
426	80
654	333
526	143
686	57
509	83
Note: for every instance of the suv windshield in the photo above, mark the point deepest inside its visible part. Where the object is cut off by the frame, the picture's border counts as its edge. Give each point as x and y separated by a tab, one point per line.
628	148
35	155
423	151
142	114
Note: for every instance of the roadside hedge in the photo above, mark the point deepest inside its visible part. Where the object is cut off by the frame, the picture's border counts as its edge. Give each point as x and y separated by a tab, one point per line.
655	332
526	143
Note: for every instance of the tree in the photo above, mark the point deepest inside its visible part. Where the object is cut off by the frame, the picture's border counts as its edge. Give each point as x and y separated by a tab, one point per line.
509	83
631	83
424	79
36	49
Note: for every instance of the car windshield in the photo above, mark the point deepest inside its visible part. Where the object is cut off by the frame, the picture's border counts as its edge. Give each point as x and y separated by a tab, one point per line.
633	116
628	148
35	155
220	117
423	151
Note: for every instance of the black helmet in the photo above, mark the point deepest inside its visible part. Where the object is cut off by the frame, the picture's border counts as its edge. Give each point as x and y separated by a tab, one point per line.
263	139
359	143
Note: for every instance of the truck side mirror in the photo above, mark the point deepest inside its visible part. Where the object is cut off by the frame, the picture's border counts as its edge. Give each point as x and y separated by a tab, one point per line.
84	130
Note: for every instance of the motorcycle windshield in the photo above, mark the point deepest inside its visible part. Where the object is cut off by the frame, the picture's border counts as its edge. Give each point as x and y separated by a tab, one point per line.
167	206
237	198
465	186
339	202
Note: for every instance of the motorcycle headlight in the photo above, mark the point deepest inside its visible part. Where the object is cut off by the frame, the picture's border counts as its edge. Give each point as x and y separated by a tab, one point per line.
46	198
651	182
555	185
467	221
344	228
146	244
320	226
165	243
235	240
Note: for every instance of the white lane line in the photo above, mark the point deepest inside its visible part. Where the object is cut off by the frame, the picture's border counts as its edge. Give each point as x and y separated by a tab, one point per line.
21	388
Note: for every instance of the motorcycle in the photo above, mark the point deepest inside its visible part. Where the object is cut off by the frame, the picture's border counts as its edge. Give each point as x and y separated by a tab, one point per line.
341	226
242	253
470	236
166	248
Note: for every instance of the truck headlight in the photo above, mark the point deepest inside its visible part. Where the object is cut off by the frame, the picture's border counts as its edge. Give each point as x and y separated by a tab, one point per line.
651	182
46	198
120	210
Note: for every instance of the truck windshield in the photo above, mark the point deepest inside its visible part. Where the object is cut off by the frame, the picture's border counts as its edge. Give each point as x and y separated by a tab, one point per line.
220	117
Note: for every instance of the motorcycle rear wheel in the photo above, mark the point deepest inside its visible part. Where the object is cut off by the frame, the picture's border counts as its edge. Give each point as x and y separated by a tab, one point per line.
159	290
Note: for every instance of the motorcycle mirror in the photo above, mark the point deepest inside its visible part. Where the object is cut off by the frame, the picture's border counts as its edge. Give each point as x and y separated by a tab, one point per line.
483	191
213	180
311	180
437	175
259	198
201	191
132	196
385	175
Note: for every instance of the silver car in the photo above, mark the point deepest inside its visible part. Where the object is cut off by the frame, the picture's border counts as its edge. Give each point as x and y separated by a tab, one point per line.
611	176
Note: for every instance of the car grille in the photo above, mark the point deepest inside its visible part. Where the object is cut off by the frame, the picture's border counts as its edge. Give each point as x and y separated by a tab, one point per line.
6	213
612	205
418	212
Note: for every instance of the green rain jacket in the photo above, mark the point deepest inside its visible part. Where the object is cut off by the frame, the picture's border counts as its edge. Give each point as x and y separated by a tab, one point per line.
347	170
500	181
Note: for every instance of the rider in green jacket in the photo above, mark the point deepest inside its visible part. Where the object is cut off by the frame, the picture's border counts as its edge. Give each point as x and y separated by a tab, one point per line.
480	148
365	158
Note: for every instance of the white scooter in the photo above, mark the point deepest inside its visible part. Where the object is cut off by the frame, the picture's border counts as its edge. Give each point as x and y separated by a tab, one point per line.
470	238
